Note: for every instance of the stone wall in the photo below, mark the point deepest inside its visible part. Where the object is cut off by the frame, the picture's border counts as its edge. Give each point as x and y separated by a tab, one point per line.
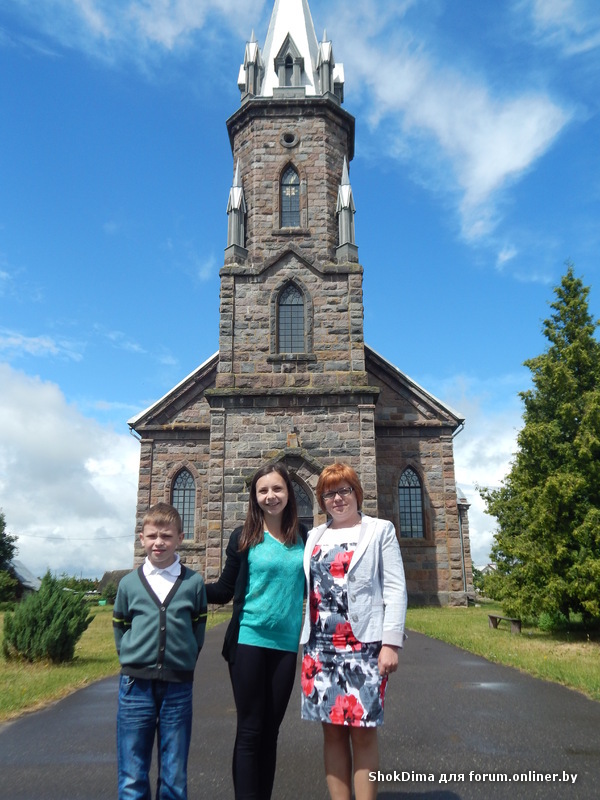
305	435
334	344
321	134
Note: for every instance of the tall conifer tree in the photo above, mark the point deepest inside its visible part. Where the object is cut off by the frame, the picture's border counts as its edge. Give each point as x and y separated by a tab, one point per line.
547	545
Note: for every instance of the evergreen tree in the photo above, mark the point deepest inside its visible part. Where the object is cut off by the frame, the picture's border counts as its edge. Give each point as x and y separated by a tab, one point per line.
547	545
8	587
7	544
47	625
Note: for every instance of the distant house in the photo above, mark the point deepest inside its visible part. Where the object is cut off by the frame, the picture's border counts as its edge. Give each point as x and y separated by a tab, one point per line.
27	581
114	576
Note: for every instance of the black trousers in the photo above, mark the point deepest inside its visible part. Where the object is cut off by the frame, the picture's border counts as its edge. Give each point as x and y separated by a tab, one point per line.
262	681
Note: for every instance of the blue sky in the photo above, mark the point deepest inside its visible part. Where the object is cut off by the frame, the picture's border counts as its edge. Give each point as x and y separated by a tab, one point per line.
476	176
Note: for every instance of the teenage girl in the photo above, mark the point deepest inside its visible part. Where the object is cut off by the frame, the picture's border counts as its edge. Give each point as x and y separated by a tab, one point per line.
264	575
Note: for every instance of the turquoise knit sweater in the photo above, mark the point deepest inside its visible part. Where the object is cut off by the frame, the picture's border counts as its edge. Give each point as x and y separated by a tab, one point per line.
160	641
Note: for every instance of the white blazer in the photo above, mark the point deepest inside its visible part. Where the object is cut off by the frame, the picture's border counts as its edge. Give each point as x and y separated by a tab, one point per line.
376	586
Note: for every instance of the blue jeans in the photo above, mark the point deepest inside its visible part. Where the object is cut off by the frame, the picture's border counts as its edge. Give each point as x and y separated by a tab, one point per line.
149	708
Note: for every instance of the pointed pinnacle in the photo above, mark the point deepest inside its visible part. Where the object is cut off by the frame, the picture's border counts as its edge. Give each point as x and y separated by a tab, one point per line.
345	175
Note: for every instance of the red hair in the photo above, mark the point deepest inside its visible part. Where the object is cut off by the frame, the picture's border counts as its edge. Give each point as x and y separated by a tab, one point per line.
335	474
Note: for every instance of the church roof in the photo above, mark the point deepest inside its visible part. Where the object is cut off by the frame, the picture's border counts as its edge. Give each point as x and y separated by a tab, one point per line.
429	398
181	387
196	382
293	18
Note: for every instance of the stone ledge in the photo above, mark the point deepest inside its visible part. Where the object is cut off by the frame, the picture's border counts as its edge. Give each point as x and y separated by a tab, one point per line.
293	391
291	357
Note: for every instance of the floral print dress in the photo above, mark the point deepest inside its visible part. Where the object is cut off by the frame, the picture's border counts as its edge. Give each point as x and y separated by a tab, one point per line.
341	683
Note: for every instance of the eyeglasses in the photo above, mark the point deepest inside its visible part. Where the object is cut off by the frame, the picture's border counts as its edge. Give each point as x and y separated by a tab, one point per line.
343	492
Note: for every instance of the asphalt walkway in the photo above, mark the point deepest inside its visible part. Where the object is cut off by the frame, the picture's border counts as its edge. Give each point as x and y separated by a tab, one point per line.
457	728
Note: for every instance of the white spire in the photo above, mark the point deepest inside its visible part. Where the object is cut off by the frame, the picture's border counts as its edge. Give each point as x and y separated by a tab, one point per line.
345	196
292	62
252	53
251	70
326	65
236	211
236	193
345	209
291	18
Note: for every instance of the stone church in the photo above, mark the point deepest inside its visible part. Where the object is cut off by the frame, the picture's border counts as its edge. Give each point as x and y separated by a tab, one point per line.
293	379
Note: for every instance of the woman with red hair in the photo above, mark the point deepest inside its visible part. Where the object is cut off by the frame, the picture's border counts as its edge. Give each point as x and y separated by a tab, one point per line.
353	628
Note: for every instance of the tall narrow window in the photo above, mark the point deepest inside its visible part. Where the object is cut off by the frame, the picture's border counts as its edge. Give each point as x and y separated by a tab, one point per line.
289	71
304	505
290	321
184	500
411	505
290	199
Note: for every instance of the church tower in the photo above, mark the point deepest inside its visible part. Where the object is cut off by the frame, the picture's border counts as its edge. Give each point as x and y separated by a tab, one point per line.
293	380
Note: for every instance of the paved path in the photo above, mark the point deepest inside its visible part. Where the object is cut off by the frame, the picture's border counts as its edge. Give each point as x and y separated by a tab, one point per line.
447	712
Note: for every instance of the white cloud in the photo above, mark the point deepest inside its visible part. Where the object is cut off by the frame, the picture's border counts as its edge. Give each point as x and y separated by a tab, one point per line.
68	485
123	342
7	280
205	268
15	343
572	25
484	451
138	29
93	17
466	140
186	257
505	255
485	448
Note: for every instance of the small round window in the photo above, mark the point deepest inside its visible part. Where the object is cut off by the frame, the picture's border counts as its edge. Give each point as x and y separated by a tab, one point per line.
289	139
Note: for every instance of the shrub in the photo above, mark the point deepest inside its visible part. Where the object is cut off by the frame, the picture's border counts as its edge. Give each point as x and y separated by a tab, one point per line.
551	622
47	625
109	593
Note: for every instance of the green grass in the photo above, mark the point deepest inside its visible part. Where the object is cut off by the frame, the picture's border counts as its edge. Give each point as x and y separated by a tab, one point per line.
27	687
570	658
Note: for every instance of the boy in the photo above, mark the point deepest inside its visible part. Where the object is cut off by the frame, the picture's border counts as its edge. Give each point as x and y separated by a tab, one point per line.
159	620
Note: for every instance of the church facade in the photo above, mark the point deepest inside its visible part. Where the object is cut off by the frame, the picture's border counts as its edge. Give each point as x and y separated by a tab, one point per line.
293	379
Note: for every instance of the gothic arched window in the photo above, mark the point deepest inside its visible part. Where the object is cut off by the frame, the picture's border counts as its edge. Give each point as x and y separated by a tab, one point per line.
183	497
304	505
290	321
290	199
410	501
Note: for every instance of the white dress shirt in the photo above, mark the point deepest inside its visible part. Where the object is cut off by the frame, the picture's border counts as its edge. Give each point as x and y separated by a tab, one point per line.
161	580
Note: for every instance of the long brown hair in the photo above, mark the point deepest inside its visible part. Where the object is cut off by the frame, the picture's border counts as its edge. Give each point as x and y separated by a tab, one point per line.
253	531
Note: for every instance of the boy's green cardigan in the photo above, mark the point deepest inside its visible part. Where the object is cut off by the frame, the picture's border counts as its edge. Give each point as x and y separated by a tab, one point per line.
160	641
